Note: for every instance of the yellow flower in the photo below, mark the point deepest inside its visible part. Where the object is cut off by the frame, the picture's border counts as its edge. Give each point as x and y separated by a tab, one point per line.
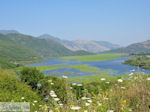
71	106
57	110
49	81
124	101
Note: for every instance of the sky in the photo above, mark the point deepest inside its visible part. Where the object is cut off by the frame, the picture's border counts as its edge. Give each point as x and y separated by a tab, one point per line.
118	21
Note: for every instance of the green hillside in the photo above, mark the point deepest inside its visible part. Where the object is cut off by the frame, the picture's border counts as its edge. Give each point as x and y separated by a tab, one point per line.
45	47
6	64
137	48
19	48
12	51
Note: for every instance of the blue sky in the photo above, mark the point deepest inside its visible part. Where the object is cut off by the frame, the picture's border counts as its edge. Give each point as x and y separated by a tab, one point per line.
117	21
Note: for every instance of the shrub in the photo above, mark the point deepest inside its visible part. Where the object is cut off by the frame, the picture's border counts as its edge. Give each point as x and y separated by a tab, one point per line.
31	76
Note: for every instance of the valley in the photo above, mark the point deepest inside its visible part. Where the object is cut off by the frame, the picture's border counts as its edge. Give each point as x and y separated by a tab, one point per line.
54	78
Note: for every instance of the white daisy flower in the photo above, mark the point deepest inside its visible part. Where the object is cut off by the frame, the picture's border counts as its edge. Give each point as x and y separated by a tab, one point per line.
76	108
56	99
87	104
120	80
103	79
35	101
90	101
22	98
148	78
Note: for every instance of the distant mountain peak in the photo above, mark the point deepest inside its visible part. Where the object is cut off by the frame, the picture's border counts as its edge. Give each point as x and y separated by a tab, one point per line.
86	45
5	32
45	36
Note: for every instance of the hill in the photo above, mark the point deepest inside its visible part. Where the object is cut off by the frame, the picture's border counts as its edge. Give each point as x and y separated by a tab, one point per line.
17	47
13	51
137	48
86	45
5	32
45	47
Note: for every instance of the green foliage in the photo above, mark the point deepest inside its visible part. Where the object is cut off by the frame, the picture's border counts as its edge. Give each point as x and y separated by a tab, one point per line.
6	65
97	57
13	51
12	90
139	61
31	76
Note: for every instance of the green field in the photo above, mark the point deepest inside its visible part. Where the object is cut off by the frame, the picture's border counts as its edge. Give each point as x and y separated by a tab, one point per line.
97	57
46	68
82	68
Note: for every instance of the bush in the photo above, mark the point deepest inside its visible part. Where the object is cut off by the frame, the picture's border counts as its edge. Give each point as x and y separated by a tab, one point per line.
31	76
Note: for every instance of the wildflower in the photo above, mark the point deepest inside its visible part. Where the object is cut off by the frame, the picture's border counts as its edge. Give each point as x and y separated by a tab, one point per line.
74	84
57	110
71	106
85	111
22	98
65	77
110	111
40	105
56	99
120	80
148	78
49	81
53	95
35	101
52	83
60	104
76	108
52	91
105	98
124	101
33	104
90	101
107	82
70	87
79	84
122	87
83	98
87	104
131	74
103	79
99	104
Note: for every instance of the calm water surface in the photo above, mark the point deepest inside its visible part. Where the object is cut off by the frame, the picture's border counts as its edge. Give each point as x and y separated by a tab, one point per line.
115	66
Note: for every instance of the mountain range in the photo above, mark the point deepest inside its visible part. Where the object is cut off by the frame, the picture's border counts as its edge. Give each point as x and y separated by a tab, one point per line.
86	45
17	47
136	48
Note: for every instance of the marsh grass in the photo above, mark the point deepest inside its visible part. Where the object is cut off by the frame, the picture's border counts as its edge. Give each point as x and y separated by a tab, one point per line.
97	57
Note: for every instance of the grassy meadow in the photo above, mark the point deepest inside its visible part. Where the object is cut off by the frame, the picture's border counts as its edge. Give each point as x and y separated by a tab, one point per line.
97	57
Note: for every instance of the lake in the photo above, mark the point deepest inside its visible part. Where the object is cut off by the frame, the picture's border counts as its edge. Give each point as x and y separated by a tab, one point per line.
114	67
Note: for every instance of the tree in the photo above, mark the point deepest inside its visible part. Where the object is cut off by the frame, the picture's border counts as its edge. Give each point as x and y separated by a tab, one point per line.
31	76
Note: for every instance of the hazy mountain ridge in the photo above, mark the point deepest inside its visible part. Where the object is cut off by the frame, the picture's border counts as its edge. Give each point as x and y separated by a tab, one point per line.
136	48
5	32
86	45
20	47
